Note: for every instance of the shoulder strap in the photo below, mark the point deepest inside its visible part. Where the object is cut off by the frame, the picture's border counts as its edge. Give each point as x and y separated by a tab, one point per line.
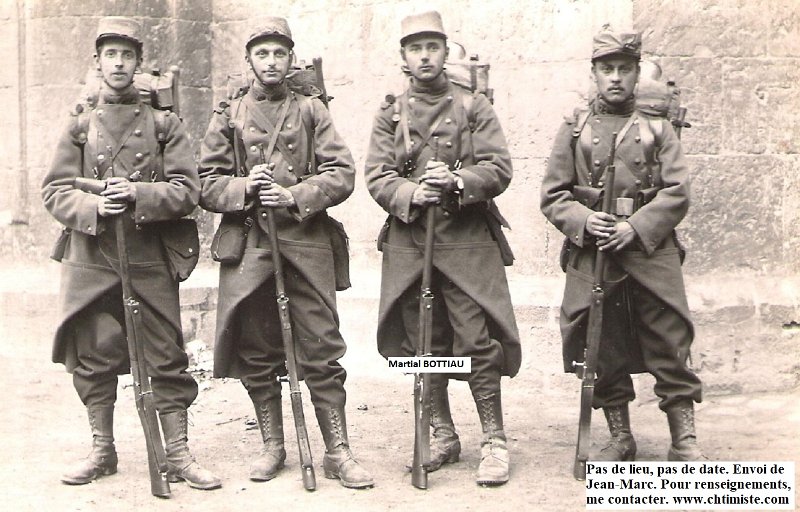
468	102
234	124
306	105
651	132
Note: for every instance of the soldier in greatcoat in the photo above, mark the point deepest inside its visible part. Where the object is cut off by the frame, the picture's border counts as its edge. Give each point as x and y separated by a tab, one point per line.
151	177
309	170
646	321
440	146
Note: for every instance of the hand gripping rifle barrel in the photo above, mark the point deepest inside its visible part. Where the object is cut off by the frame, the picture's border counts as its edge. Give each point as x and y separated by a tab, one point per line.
422	381
156	456
588	368
306	462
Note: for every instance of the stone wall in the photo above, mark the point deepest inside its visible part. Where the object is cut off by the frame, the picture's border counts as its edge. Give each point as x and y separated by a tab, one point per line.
736	61
58	46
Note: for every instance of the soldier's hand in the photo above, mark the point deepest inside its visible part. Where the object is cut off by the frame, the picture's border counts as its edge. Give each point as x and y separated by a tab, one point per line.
426	194
106	207
623	236
600	224
275	196
260	177
438	174
119	189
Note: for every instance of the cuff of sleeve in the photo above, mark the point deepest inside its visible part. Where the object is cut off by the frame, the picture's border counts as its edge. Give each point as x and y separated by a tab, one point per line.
404	210
648	246
89	219
470	191
309	199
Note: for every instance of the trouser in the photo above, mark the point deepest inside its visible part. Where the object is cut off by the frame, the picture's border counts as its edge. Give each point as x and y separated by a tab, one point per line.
102	353
664	339
318	343
459	329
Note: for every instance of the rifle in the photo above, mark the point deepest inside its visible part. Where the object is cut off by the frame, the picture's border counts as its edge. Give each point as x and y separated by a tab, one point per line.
422	381
594	330
156	457
317	62
679	122
306	464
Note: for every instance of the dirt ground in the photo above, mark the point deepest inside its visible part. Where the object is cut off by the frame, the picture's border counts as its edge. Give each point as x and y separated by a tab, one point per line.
44	428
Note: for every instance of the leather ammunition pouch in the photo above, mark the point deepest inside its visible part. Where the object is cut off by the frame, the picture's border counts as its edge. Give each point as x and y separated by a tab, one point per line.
230	239
60	246
341	253
591	197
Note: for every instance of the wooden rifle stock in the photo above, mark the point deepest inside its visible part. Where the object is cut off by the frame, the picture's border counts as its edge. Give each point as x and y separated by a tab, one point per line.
306	462
422	381
156	456
594	330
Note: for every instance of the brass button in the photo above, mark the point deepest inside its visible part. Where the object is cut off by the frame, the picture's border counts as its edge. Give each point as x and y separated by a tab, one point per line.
596	140
139	156
290	146
637	139
597	163
252	129
450	98
637	160
599	183
291	168
136	112
254	149
289	125
101	157
448	121
137	132
411	100
448	144
264	215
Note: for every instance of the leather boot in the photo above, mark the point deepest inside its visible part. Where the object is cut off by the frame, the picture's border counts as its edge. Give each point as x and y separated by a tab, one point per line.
681	427
445	445
493	469
621	446
102	460
180	462
338	461
269	414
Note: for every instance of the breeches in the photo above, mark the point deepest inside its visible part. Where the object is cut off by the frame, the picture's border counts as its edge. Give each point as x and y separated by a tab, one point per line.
459	329
102	354
318	343
664	339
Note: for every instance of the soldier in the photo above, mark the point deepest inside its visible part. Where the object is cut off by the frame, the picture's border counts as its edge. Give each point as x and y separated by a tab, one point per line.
646	322
145	158
309	171
439	146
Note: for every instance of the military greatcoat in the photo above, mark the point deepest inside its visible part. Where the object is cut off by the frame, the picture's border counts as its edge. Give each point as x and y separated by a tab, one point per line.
304	231
118	138
571	191
466	249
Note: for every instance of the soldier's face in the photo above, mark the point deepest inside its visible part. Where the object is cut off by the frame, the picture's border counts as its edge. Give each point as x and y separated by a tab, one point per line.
425	57
118	60
615	78
270	61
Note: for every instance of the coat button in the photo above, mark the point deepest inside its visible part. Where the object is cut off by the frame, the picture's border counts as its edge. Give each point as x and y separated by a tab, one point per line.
99	112
448	121
637	160
637	139
264	215
448	144
597	163
599	183
450	98
289	125
411	100
291	167
290	146
253	149
100	158
139	156
596	140
136	112
308	209
252	129
137	132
